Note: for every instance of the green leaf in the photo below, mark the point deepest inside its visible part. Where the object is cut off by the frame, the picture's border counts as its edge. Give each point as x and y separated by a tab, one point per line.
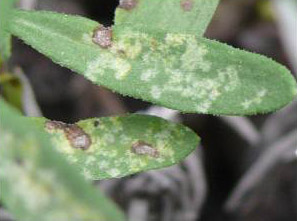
173	16
37	183
119	146
12	90
178	71
5	37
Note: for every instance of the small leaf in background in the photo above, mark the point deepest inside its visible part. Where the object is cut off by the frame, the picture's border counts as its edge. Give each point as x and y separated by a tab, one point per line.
18	92
36	182
119	146
178	71
5	37
11	89
173	16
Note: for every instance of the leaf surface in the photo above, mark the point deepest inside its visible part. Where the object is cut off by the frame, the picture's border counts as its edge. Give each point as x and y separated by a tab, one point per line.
178	71
12	89
6	7
173	16
119	146
37	183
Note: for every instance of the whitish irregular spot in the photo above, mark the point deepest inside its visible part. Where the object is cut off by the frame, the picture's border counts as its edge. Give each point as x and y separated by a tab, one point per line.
128	4
193	57
102	36
114	172
148	75
187	5
207	90
129	45
143	148
175	39
87	38
156	92
106	64
87	174
257	99
76	136
179	63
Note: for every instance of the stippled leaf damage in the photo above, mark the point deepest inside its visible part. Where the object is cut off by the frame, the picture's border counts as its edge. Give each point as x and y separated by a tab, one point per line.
178	71
36	182
119	146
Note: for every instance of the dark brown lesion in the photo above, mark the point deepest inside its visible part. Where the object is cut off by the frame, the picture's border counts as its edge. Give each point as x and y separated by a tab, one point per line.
128	4
75	135
102	36
187	5
96	123
144	148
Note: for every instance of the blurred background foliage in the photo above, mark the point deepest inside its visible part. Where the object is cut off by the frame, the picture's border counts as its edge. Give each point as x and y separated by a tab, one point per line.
246	167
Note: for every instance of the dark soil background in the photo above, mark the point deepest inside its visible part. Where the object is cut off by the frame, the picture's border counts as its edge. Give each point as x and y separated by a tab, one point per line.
245	169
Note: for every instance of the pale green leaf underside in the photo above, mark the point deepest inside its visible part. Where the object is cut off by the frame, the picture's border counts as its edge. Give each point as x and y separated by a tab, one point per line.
5	37
111	153
36	182
178	71
173	16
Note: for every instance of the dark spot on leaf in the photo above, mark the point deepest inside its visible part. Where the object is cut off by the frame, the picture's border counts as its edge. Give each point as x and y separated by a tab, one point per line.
102	36
122	53
19	161
143	148
128	4
96	123
75	135
187	5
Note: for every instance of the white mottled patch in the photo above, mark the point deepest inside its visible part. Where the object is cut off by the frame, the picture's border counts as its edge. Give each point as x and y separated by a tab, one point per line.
207	90
175	39
103	165
156	92
148	75
230	76
87	38
99	66
87	174
130	50
193	57
114	172
186	70
112	154
61	143
203	107
257	99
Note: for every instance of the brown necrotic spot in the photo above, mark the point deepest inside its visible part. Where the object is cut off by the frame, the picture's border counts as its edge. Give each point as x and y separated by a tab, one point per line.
102	36
187	5
74	134
77	137
128	4
96	123
143	148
